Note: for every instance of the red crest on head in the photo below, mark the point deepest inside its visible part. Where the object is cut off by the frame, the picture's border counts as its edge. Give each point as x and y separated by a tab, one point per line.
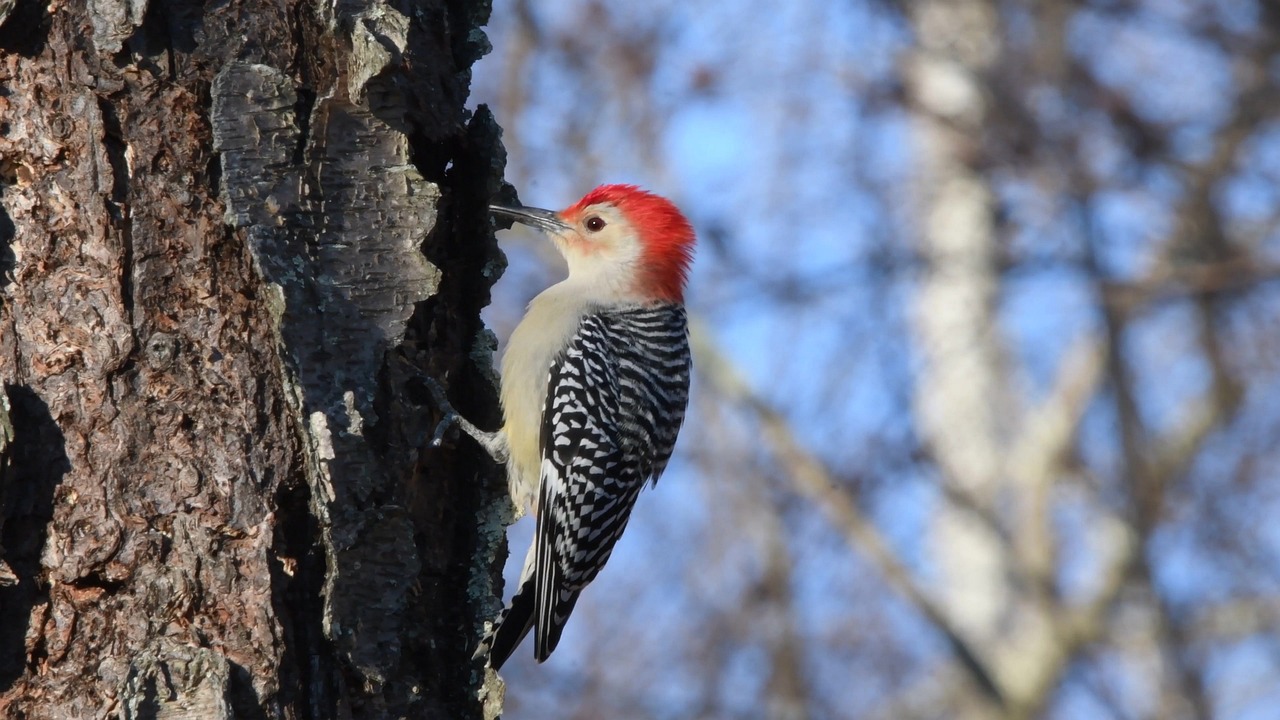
667	236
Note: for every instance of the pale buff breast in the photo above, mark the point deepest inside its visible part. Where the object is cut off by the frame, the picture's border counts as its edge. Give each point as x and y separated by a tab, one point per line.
551	321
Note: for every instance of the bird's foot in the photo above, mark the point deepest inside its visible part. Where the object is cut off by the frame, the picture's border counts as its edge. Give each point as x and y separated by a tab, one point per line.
494	443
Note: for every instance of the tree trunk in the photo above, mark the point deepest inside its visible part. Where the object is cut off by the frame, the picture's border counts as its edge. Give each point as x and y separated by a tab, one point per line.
959	400
232	236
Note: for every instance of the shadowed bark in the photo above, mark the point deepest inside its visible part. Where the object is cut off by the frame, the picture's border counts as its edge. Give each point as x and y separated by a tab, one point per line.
231	237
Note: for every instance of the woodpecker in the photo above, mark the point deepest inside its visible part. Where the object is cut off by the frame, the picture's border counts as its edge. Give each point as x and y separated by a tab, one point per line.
595	380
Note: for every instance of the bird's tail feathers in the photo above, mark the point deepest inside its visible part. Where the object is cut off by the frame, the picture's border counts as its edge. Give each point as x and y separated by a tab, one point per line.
509	629
550	628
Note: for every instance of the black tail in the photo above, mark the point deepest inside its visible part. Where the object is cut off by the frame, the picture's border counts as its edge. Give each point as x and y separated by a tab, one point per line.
511	627
549	630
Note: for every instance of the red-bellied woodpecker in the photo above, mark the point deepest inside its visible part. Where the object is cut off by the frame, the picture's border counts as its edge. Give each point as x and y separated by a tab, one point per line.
594	385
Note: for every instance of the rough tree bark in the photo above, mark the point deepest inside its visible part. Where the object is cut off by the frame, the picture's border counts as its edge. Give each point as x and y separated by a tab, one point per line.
232	235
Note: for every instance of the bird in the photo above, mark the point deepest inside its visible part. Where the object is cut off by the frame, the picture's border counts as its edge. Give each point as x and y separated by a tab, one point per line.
595	382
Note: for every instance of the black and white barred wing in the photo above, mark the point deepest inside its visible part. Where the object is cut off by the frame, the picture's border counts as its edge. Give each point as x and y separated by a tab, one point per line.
615	405
615	402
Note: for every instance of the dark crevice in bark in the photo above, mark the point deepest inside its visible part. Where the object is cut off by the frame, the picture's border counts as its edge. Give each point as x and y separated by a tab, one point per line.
96	580
298	573
213	176
302	110
113	139
149	705
315	67
170	26
244	700
118	204
7	233
26	30
37	463
8	177
432	158
154	37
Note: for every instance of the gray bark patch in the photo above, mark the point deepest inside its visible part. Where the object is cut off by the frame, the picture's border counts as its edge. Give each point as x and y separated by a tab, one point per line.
339	236
114	21
177	681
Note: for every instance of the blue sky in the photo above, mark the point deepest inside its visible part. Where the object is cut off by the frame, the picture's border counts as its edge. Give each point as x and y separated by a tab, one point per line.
787	145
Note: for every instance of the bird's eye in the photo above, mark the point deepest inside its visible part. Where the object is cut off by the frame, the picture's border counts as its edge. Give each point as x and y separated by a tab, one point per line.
595	223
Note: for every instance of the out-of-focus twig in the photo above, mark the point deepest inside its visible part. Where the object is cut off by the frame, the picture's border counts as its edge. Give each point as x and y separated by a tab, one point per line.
812	480
1039	452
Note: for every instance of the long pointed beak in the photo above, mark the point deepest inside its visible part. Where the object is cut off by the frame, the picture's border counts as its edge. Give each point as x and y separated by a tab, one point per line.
533	217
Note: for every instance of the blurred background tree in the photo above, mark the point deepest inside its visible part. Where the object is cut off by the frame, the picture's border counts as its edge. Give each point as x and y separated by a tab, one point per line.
987	402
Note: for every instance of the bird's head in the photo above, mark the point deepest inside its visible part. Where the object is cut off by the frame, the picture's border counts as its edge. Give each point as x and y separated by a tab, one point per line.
626	241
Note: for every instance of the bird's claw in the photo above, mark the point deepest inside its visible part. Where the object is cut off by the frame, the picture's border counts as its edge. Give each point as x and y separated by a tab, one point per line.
493	443
449	421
